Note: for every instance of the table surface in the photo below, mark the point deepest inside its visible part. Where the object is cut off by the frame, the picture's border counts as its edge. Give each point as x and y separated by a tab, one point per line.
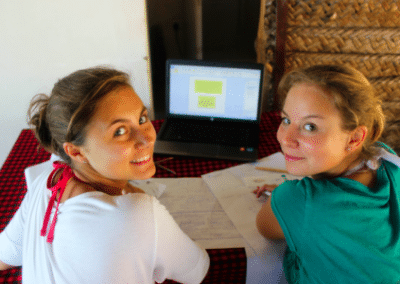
228	263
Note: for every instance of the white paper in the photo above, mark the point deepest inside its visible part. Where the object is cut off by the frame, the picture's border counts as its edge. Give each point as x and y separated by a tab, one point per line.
198	213
233	188
251	176
241	206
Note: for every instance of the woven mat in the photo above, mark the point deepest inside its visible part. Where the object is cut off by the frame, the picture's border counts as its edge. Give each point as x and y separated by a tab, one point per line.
344	13
343	40
227	265
364	34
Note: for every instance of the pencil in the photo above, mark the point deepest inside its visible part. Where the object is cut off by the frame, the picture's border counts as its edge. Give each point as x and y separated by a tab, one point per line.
164	168
271	170
164	160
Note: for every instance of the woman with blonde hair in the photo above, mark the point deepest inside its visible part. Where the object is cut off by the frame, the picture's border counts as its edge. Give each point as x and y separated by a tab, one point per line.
341	221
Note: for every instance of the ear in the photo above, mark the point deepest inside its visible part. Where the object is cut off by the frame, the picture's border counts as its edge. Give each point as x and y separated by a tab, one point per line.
74	152
357	137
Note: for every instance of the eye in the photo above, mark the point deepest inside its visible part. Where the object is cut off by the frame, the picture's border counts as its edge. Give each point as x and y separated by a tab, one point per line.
143	119
285	120
120	131
310	127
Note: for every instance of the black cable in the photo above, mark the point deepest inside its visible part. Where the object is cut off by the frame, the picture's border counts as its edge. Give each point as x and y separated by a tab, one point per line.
176	31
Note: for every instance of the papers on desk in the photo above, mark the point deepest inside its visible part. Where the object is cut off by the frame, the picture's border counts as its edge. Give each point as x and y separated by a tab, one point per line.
219	211
251	177
195	209
233	189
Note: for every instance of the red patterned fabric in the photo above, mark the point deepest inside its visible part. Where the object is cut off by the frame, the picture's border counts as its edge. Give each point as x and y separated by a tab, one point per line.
227	265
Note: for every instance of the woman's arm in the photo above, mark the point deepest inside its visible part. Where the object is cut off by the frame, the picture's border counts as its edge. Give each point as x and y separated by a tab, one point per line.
178	257
267	224
4	266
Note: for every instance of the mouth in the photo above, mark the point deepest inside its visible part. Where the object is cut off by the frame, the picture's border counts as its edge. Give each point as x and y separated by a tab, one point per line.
141	161
289	158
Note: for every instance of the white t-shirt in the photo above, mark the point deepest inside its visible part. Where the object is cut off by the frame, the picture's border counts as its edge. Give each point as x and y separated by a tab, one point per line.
99	238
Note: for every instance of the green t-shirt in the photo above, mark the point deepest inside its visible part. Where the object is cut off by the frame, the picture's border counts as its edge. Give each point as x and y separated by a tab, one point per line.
340	231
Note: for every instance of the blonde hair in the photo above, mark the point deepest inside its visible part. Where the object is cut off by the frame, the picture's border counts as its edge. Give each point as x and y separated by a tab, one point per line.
352	94
64	115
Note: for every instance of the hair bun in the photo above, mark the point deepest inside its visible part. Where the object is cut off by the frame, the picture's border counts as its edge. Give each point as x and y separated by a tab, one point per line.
38	121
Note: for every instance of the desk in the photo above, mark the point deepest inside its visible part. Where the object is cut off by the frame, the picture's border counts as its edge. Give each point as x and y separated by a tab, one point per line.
228	263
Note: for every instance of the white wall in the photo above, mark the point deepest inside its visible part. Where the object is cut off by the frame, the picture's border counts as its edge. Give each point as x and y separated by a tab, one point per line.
44	40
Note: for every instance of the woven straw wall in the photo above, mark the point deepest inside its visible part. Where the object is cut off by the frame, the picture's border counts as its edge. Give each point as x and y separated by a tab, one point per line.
265	46
362	33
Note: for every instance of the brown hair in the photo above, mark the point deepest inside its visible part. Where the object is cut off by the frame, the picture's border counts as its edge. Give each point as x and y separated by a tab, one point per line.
352	94
63	116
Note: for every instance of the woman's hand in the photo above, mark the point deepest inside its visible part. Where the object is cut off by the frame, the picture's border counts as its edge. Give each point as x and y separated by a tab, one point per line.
266	187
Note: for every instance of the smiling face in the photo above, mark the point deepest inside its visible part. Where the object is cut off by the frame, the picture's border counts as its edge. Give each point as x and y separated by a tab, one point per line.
120	139
310	134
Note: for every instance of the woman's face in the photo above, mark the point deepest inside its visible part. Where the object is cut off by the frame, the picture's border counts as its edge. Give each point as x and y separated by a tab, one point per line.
120	138
310	133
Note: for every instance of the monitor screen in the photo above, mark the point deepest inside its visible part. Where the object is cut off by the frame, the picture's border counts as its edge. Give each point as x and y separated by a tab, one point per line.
212	91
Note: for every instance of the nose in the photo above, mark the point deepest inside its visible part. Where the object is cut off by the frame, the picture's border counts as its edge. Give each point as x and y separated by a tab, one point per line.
145	137
287	136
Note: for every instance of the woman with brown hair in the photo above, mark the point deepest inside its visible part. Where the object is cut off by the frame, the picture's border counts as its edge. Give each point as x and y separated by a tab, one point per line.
81	221
341	222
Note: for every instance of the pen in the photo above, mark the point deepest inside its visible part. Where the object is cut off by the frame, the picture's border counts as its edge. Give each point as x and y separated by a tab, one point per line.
267	193
271	170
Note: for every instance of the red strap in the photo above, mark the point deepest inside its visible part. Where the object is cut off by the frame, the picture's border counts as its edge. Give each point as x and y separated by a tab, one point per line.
66	175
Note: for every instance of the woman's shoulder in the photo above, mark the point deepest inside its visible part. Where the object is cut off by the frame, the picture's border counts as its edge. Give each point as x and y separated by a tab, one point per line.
292	190
300	183
305	190
127	210
126	201
38	174
308	188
